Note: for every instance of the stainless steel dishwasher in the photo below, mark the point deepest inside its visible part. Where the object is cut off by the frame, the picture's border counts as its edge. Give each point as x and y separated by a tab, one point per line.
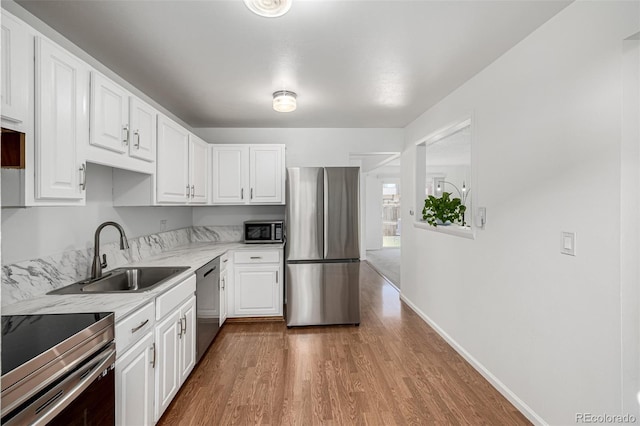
207	304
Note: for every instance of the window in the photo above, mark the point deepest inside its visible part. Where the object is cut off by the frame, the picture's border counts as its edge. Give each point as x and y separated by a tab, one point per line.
444	165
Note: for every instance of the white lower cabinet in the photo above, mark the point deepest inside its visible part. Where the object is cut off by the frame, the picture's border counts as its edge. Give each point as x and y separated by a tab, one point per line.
135	384
226	272
168	346
156	353
176	345
188	339
256	289
224	279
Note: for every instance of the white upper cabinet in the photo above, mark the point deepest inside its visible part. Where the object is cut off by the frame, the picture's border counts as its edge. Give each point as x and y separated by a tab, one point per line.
198	170
123	128
173	162
142	120
62	83
230	170
266	177
109	114
248	174
183	165
14	48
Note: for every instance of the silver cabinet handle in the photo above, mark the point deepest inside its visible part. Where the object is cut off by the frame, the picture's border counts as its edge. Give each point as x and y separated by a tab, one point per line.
193	191
188	190
136	135
277	277
252	193
180	328
153	361
125	134
242	193
83	177
225	261
142	324
223	283
183	324
256	257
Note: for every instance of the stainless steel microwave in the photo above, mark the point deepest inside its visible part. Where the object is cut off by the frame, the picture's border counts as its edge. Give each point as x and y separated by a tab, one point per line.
264	231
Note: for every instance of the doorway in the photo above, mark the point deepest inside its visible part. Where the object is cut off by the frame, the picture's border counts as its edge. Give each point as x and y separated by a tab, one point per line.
391	221
383	223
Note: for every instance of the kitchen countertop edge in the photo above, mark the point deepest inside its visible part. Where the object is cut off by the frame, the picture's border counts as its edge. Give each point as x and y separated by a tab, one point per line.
193	255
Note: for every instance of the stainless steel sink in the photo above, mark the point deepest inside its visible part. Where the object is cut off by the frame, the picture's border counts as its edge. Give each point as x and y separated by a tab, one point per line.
124	280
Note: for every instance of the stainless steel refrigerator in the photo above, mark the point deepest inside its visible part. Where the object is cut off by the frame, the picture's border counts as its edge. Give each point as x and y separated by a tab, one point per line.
323	246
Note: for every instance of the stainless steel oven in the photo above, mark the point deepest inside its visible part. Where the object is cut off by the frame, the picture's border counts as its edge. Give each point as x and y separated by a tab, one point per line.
58	369
264	231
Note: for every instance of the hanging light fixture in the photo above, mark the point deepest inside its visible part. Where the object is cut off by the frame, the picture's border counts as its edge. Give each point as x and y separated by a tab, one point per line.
269	8
284	101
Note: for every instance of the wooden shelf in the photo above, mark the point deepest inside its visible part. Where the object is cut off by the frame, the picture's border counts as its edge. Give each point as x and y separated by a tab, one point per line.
13	149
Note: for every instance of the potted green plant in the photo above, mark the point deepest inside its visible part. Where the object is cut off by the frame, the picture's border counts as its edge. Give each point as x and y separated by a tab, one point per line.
443	210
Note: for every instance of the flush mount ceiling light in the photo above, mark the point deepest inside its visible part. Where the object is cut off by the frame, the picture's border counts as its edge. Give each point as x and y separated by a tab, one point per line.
284	101
269	8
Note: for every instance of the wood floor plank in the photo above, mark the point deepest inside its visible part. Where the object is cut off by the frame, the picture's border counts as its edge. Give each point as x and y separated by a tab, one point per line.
391	370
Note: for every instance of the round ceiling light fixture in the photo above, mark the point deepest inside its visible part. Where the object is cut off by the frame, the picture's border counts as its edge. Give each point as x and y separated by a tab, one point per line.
284	101
269	8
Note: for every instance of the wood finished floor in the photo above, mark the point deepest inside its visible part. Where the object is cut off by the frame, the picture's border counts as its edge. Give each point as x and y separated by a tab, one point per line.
393	369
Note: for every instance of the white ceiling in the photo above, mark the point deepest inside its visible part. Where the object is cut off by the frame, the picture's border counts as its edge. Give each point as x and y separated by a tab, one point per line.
352	63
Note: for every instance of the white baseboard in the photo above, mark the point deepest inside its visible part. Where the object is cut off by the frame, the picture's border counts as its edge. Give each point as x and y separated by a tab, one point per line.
495	382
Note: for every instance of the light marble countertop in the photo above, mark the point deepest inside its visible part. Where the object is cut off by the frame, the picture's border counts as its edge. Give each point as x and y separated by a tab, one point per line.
194	255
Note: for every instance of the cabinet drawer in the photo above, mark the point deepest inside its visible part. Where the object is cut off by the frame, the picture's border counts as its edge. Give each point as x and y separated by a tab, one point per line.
134	327
257	256
174	297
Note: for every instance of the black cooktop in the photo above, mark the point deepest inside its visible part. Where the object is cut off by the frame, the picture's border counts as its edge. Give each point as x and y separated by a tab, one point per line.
24	337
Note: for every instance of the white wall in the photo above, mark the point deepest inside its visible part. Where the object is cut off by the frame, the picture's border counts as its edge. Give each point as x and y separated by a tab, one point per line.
374	212
29	233
234	215
312	147
304	148
629	224
547	158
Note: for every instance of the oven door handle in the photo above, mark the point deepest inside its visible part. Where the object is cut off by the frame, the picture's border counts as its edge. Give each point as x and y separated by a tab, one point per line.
48	406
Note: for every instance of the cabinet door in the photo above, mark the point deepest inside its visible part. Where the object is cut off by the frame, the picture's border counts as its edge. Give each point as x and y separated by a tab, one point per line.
62	83
199	169
168	361
173	162
230	174
109	114
142	120
257	290
188	338
266	174
223	296
15	89
134	384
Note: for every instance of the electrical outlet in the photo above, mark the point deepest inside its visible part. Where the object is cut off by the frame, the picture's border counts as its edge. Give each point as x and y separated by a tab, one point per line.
163	225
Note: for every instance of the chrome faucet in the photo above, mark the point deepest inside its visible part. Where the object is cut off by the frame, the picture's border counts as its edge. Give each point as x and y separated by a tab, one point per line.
96	268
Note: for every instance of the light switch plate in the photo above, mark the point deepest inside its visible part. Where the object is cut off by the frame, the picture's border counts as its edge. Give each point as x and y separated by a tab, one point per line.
481	217
568	243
